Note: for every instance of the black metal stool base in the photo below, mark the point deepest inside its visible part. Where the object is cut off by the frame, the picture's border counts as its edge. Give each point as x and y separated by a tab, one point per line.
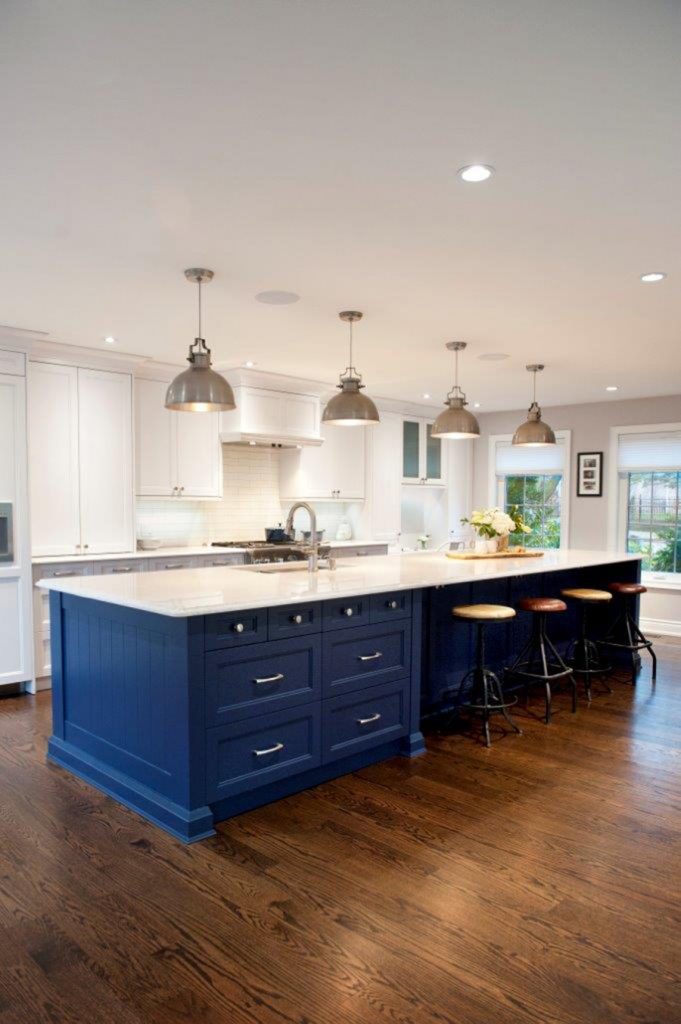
536	653
584	658
636	639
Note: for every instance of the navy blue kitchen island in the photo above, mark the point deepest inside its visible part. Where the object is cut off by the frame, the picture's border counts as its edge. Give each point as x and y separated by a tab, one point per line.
192	718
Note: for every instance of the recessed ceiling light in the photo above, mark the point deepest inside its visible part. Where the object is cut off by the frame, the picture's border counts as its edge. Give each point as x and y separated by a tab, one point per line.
493	357
653	277
612	387
249	364
476	405
277	298
426	395
110	340
475	172
252	444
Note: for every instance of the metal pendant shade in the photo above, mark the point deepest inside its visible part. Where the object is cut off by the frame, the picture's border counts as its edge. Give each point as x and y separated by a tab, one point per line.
534	433
200	388
350	408
456	422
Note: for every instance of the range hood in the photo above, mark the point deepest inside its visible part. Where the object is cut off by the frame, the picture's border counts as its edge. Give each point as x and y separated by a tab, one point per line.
272	419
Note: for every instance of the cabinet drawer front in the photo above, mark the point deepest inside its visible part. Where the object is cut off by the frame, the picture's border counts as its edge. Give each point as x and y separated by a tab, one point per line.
294	620
119	568
249	754
343	613
232	629
364	656
360	720
384	607
54	571
252	681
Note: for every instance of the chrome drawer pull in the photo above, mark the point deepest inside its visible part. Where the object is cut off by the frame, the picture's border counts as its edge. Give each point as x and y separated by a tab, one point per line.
370	657
296	619
369	720
238	627
347	611
121	568
61	575
391	604
270	750
270	679
175	565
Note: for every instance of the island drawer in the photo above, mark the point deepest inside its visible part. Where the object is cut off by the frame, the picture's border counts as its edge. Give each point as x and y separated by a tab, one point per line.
245	755
361	720
294	620
345	612
250	681
395	605
234	629
369	654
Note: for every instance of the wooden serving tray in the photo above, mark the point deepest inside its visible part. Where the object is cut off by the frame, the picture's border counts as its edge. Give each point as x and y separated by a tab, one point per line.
495	554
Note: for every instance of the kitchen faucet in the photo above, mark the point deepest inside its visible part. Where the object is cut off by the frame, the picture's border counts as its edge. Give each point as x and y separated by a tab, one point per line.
313	547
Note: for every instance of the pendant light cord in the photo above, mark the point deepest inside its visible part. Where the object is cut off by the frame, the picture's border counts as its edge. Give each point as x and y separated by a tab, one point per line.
350	366
200	335
534	387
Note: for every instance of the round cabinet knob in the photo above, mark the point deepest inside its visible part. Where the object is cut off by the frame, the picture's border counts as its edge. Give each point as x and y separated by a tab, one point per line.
348	611
297	619
392	604
238	627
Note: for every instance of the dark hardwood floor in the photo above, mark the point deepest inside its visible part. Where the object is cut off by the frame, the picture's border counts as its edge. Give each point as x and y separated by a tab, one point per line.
535	883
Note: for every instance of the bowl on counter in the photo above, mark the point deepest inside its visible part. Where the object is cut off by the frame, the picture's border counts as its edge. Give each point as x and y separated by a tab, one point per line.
148	543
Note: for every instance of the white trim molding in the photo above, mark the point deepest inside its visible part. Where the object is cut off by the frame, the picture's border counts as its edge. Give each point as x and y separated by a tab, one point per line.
664	627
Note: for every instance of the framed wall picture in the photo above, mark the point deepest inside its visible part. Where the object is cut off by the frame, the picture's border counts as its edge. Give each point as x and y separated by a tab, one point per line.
590	475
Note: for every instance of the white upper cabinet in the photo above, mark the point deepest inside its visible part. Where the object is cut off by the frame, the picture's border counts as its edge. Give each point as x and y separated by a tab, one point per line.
80	460
105	460
271	415
333	471
423	458
178	454
384	488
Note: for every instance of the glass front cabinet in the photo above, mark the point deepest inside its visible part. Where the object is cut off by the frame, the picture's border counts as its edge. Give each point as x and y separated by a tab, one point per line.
422	454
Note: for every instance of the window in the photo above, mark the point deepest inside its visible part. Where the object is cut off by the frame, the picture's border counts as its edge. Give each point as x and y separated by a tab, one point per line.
648	466
534	479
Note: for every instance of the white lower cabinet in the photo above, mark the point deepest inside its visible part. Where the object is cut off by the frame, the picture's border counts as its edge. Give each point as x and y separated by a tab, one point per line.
178	454
41	613
80	460
334	471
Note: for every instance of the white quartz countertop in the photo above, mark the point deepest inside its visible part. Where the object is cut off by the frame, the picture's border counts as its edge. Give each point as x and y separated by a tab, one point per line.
203	550
186	592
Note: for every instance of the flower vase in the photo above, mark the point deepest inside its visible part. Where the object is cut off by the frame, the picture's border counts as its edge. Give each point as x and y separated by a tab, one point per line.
480	546
492	545
502	543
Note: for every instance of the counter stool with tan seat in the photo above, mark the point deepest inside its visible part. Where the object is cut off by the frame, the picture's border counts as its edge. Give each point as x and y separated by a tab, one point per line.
583	655
486	695
624	633
539	661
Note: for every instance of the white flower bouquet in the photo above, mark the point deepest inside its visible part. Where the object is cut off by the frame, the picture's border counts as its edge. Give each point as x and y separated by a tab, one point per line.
493	524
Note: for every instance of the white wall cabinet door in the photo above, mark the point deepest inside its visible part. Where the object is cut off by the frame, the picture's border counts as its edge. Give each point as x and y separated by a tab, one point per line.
333	471
16	650
384	478
53	459
155	445
199	454
105	461
423	456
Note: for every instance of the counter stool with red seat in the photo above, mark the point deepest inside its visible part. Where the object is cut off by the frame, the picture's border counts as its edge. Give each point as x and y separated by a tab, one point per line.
624	633
486	695
583	655
539	661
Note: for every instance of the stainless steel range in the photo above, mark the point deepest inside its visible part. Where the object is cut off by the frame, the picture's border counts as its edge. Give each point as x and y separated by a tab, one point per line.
260	553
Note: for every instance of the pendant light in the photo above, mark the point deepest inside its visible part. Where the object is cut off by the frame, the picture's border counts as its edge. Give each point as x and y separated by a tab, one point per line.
534	433
199	389
350	408
456	422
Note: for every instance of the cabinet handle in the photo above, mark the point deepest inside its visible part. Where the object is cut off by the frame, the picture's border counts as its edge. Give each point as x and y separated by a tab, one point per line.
175	490
392	605
296	619
271	679
367	721
121	568
61	575
269	750
349	612
370	657
181	490
85	547
221	563
238	627
174	565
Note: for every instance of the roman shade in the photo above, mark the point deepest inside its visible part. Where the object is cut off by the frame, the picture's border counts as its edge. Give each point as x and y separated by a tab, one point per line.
649	450
517	460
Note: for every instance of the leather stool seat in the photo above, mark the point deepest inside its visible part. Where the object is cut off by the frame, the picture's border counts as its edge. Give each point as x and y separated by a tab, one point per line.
628	588
587	594
542	604
483	612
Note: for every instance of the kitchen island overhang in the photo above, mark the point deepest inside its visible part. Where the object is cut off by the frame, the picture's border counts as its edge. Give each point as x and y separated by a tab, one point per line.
194	695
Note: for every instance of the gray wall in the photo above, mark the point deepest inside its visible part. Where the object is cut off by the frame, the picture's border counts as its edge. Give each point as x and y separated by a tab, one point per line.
590	426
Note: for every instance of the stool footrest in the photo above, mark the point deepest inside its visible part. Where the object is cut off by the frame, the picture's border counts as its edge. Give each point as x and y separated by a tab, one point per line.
521	671
491	708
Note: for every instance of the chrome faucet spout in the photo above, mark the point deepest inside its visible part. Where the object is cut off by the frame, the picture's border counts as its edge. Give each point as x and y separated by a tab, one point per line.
313	548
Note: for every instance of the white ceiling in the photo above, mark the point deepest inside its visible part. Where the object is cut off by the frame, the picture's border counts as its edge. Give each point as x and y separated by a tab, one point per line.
312	146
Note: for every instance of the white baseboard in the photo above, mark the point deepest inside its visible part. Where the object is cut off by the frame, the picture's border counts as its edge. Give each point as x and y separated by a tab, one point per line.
665	627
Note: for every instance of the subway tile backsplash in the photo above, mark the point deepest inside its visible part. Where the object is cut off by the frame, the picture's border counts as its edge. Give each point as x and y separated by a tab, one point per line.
250	503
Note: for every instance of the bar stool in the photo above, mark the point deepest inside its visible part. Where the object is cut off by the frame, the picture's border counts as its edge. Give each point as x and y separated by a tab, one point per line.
625	623
487	697
583	655
533	665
